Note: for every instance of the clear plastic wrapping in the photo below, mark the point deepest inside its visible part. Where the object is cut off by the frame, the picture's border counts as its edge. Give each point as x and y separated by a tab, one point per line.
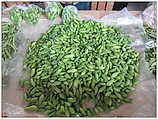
53	10
149	17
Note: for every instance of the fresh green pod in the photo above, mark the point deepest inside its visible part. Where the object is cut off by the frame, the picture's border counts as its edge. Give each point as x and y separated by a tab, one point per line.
71	100
21	82
33	72
32	108
33	83
41	99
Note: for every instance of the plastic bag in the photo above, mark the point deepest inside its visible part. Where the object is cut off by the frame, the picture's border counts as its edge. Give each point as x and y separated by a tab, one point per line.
150	44
32	14
149	15
53	10
149	18
69	12
6	12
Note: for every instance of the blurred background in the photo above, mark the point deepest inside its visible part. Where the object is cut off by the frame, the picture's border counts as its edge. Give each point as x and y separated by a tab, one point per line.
109	6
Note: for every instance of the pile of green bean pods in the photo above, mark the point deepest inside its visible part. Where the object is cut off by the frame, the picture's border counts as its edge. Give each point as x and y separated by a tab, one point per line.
53	10
8	40
151	32
32	14
79	62
16	15
150	53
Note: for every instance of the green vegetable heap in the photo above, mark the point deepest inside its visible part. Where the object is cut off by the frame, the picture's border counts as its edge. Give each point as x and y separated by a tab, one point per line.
54	10
151	59
16	15
150	53
8	40
32	14
83	61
